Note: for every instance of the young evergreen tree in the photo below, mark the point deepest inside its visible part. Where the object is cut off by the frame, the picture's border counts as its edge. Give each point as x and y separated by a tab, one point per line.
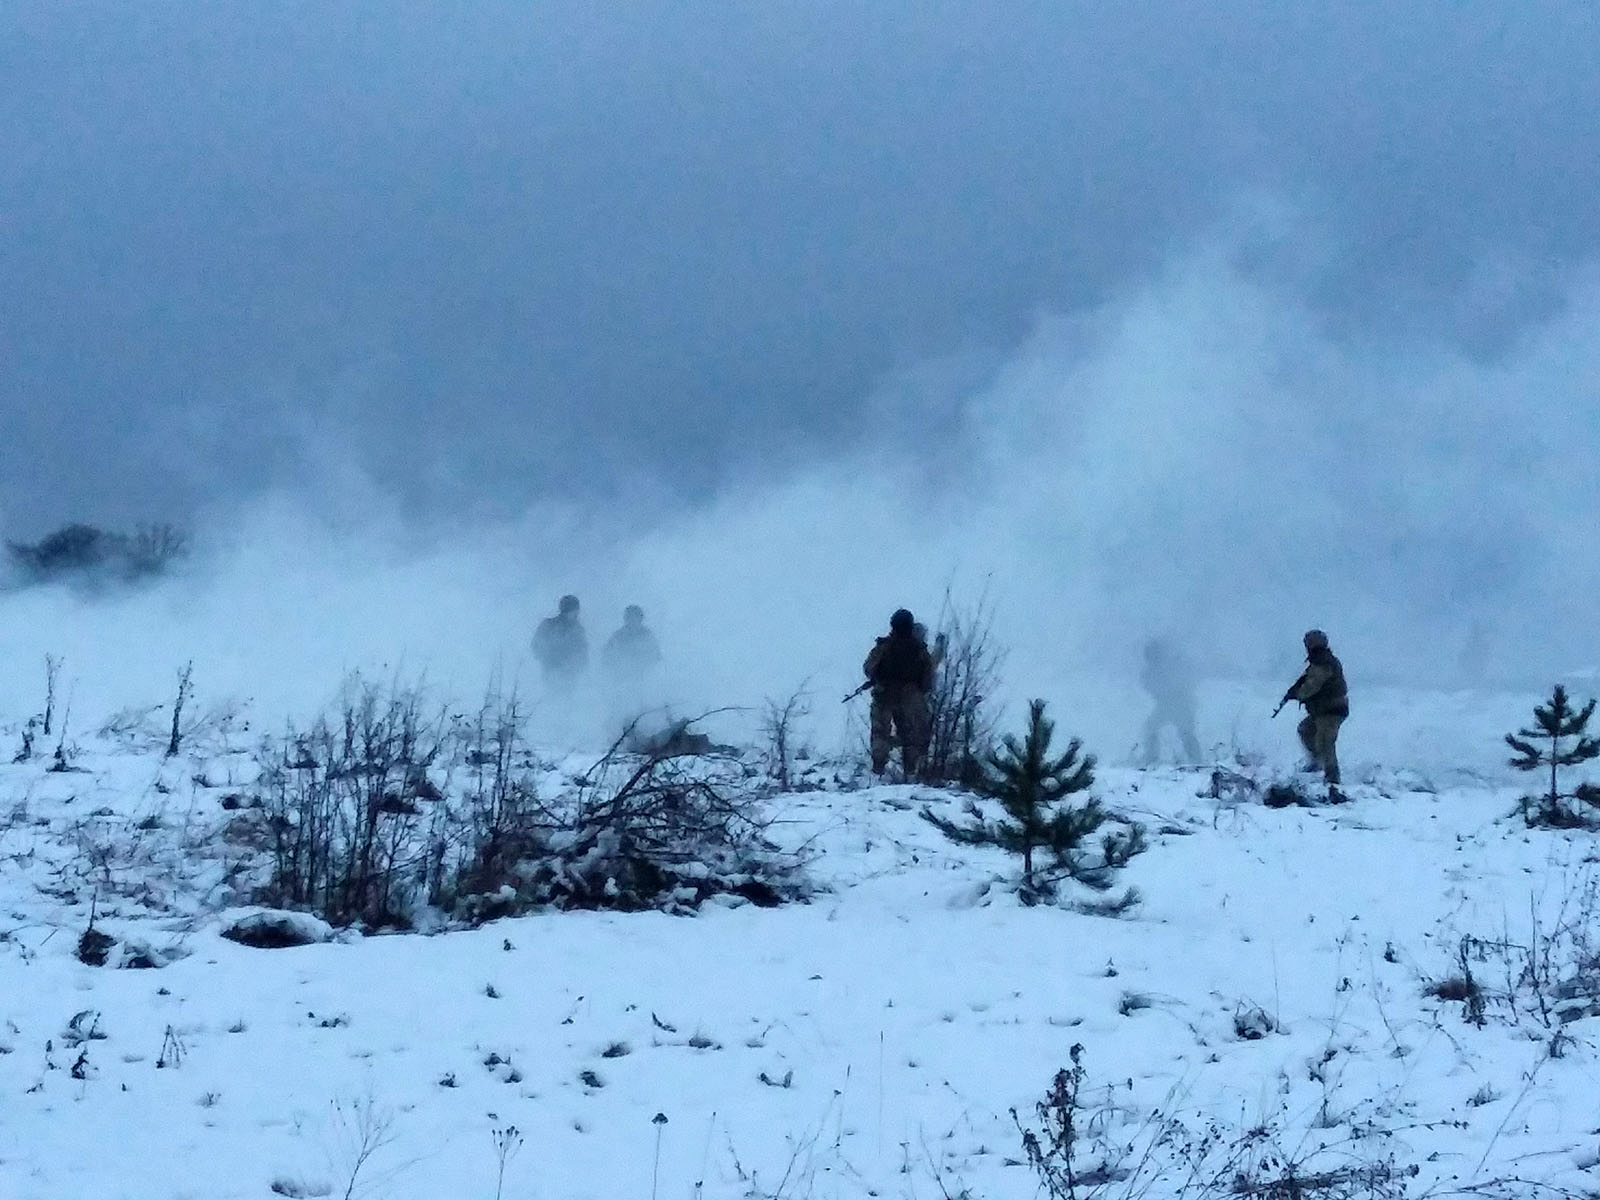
1033	788
1558	738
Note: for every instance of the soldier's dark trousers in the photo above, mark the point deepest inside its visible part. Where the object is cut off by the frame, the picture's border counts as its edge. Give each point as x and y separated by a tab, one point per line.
1181	718
1320	736
899	714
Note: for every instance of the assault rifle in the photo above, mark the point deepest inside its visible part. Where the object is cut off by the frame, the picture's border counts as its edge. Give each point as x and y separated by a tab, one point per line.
1287	696
857	692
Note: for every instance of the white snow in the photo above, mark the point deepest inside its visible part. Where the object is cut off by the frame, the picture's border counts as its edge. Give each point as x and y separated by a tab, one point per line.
871	1042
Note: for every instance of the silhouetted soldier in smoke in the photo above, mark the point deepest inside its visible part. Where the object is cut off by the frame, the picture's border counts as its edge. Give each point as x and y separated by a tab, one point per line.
1321	690
562	647
1169	678
900	672
631	653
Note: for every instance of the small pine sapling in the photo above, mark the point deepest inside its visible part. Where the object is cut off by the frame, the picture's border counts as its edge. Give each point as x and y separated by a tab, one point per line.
1558	738
1033	787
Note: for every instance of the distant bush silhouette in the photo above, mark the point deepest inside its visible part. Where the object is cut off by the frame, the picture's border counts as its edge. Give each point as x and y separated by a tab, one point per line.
80	553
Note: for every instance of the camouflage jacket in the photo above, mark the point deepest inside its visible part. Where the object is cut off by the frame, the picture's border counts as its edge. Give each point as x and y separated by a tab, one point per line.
561	646
899	660
1321	687
631	650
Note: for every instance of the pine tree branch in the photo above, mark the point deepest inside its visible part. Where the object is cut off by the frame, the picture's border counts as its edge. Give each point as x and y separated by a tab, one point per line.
967	835
1531	756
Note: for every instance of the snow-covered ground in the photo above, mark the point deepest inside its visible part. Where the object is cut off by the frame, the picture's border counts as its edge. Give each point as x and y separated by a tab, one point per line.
871	1042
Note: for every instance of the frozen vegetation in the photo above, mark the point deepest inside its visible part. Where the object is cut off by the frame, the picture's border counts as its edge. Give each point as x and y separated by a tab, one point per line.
1392	996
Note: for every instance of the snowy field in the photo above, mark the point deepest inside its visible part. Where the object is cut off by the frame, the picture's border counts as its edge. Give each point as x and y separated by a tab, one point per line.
1272	989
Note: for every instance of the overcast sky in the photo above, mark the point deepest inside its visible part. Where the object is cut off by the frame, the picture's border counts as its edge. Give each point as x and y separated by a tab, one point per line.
501	252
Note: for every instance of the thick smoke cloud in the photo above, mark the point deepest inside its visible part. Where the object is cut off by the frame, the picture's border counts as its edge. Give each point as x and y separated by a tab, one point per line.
509	253
1212	322
1199	459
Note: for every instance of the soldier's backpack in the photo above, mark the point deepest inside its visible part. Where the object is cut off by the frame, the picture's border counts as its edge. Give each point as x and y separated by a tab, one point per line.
903	660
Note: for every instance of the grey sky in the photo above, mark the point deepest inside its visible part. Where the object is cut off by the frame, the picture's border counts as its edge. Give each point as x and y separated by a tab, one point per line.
508	251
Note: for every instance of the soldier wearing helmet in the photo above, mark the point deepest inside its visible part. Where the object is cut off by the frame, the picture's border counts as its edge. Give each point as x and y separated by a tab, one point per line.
562	647
900	672
632	652
1322	692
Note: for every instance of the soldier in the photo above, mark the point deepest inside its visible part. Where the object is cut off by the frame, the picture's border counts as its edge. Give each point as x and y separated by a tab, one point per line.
631	652
1169	678
900	672
1321	689
562	647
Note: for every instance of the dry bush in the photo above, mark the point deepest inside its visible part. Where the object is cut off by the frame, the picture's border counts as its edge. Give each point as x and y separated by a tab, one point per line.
1079	1150
662	829
344	806
780	734
961	708
380	810
1552	976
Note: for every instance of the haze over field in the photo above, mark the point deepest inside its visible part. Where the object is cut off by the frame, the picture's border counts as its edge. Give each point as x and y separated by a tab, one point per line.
1217	321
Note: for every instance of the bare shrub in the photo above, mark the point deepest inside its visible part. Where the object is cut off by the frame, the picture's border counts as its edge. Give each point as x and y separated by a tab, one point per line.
1075	1155
343	802
1552	976
129	724
502	816
961	708
660	829
380	809
361	1128
1055	1150
779	733
153	549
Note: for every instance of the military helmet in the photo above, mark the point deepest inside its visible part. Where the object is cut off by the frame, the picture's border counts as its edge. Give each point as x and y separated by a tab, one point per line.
902	621
1316	640
633	615
569	603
